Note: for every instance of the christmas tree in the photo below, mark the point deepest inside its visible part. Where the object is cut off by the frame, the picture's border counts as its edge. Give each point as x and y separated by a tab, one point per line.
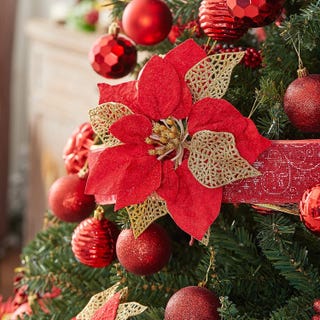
193	193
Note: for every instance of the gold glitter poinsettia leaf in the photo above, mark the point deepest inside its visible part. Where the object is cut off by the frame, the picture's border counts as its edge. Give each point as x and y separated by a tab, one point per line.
210	77
103	116
129	309
215	161
143	214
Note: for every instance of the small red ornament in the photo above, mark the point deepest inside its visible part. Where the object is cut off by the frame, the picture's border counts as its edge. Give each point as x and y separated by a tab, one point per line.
113	56
310	209
76	150
316	305
145	255
68	201
255	13
91	18
94	241
316	317
217	22
147	22
302	102
192	303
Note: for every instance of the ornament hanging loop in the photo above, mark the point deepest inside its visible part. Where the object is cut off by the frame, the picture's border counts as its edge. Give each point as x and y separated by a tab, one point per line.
114	29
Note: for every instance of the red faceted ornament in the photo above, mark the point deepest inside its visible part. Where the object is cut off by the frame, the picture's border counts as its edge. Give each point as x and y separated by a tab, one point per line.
75	152
310	209
146	254
217	22
94	242
255	13
147	22
192	303
68	201
113	56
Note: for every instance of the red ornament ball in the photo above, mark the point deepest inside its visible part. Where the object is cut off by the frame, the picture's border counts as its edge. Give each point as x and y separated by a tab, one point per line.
94	242
75	152
113	56
217	22
255	13
316	317
147	22
192	303
316	305
68	201
302	102
310	209
144	255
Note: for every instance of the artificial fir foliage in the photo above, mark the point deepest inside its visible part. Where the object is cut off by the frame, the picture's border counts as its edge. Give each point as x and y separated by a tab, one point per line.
263	264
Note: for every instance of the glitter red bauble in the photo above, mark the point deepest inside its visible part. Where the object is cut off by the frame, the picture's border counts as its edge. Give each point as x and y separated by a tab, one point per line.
316	317
217	22
193	303
316	305
147	22
255	13
113	56
75	152
94	242
147	254
67	200
302	103
310	209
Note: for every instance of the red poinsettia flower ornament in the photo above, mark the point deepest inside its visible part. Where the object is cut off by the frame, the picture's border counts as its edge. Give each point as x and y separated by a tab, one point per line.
170	142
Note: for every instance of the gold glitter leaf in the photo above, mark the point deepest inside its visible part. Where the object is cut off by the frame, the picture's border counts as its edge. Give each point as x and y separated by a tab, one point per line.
206	238
129	309
103	116
143	214
215	161
210	77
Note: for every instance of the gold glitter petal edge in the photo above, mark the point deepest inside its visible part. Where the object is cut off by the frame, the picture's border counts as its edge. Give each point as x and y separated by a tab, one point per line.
144	214
206	238
103	116
215	161
210	77
129	309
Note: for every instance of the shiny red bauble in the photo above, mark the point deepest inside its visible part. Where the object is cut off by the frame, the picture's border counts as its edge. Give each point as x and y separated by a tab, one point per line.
147	22
310	209
94	242
192	303
144	255
255	13
68	201
113	56
302	103
217	22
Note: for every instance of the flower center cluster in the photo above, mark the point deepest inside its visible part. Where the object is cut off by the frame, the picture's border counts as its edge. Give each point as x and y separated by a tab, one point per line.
168	135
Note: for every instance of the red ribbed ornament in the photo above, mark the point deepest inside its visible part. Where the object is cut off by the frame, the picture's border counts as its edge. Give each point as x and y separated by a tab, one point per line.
217	22
75	152
94	242
310	209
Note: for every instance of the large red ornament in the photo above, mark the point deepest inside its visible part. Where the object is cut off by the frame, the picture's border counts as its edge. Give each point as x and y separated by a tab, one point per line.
192	303
94	242
113	56
310	209
147	22
68	201
217	22
145	255
255	13
302	102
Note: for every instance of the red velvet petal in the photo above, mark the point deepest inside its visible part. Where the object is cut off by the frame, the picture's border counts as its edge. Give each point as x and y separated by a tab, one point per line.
170	181
142	177
195	207
109	310
159	91
220	115
134	128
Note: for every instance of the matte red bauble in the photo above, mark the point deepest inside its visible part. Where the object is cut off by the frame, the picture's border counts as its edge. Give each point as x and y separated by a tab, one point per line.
94	242
217	22
147	254
302	102
147	22
255	13
67	200
192	303
310	209
113	56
